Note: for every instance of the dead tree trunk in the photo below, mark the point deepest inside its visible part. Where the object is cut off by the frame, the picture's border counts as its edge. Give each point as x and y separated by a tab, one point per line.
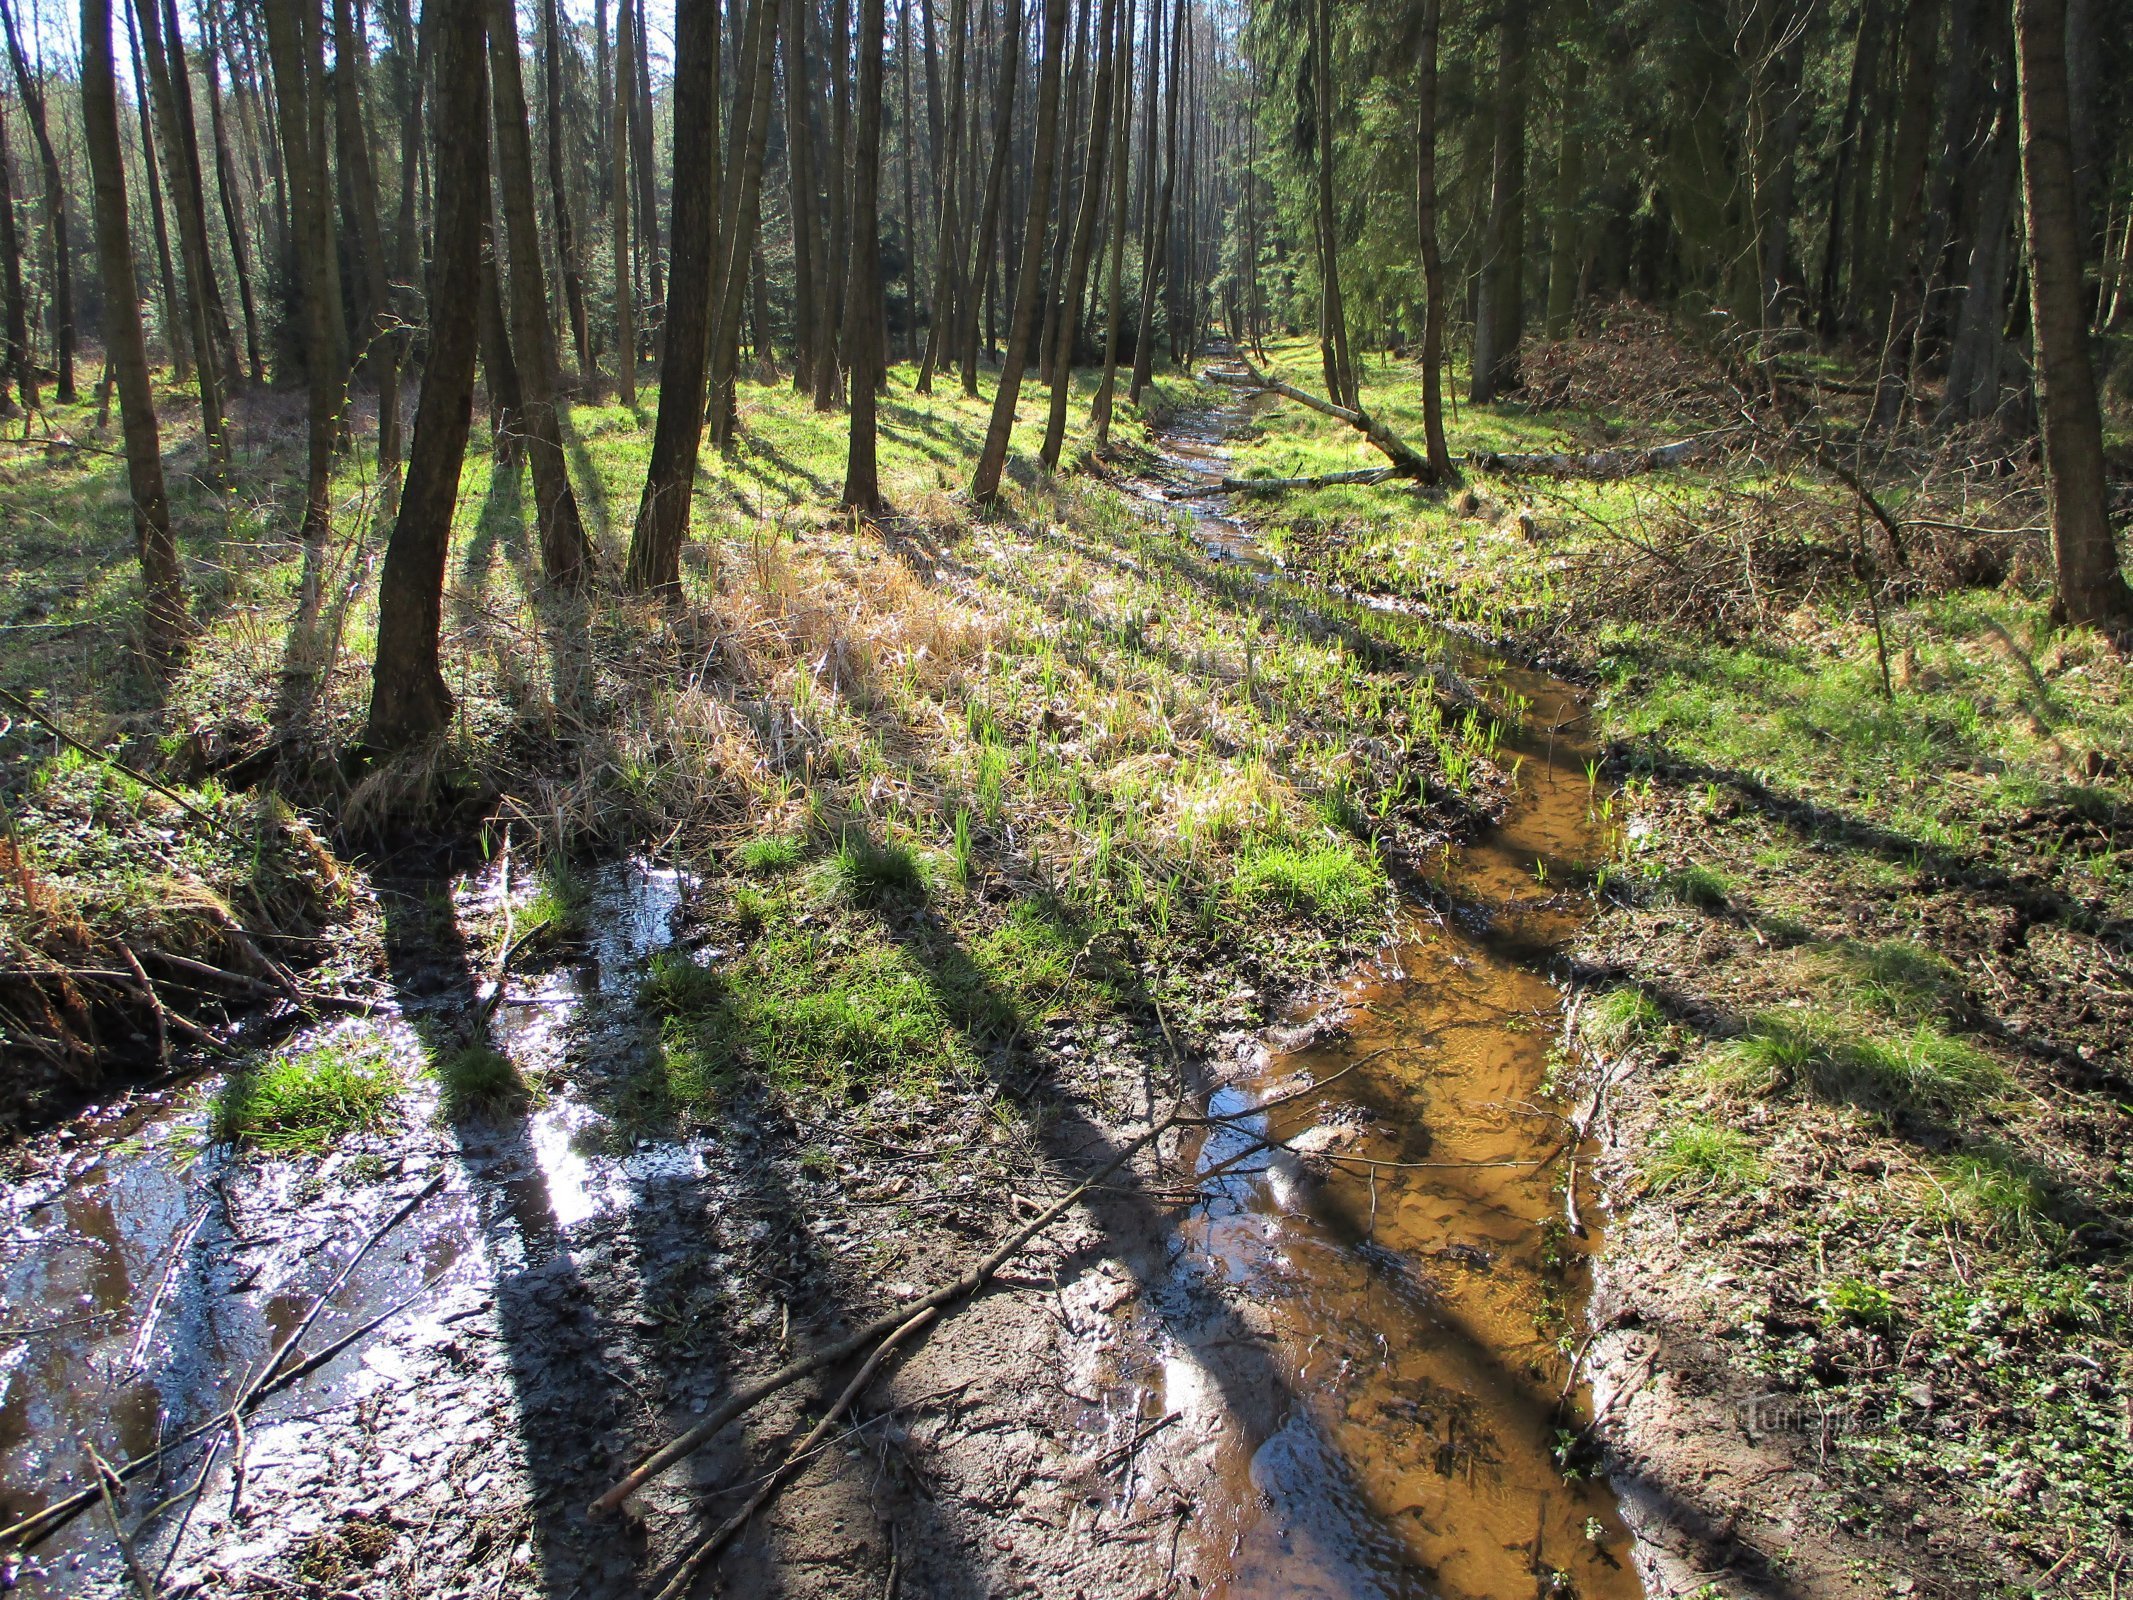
566	235
619	207
1395	449
360	179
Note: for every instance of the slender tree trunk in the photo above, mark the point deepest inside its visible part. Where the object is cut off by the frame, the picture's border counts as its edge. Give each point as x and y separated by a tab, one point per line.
907	128
2091	588
351	71
1865	62
862	300
507	401
1903	269
641	143
619	209
19	366
663	514
1092	194
992	460
176	315
318	279
409	701
565	551
1340	364
1568	220
230	193
806	215
1114	307
1156	252
1433	318
831	338
164	612
947	274
747	145
1977	356
568	266
1499	313
1003	139
55	206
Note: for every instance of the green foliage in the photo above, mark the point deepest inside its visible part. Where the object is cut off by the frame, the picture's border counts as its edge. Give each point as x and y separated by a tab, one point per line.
1332	881
870	873
476	1078
302	1100
1857	1301
770	855
1835	1057
1704	1155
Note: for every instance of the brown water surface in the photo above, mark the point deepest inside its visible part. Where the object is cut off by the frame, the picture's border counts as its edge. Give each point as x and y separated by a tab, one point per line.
1422	1291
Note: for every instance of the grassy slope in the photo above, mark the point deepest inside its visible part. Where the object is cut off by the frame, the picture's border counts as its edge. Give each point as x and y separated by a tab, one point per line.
1194	780
1873	971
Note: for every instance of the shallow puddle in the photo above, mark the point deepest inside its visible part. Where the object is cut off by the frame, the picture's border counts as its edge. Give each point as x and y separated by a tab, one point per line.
1421	1274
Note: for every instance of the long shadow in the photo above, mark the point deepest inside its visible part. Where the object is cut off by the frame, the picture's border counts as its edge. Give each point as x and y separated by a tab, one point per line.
499	529
1141	1229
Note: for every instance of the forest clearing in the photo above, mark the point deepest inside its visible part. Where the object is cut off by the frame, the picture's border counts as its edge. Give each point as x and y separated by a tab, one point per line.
825	801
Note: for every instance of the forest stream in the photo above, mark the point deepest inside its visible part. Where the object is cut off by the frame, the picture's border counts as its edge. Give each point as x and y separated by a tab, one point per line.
1416	1271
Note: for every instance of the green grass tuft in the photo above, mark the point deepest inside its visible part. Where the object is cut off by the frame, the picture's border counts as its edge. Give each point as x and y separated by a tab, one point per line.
476	1078
1838	1057
1329	880
1856	1301
870	873
304	1100
1697	886
1622	1017
768	856
1703	1154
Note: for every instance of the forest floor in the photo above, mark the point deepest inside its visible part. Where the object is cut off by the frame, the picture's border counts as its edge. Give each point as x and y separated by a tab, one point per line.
945	848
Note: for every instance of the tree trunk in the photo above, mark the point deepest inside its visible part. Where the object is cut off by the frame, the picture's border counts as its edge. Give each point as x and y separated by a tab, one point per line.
663	514
318	277
19	367
1865	63
409	701
566	235
1003	130
992	460
836	261
507	399
949	291
1903	269
647	169
565	551
862	301
1156	257
351	70
1092	194
176	315
1977	357
55	206
746	147
1499	310
1568	220
230	194
806	215
619	209
2091	588
209	323
1433	319
164	612
1114	307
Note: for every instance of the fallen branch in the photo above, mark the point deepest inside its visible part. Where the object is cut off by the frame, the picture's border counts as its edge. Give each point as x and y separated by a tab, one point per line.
678	1585
1324	480
1598	463
947	1294
80	747
1405	462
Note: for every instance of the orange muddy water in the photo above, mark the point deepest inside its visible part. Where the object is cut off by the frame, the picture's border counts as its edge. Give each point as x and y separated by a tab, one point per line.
1422	1275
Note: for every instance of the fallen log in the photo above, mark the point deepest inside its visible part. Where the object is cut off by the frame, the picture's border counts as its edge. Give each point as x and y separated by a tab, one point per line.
1324	480
1598	463
1405	462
